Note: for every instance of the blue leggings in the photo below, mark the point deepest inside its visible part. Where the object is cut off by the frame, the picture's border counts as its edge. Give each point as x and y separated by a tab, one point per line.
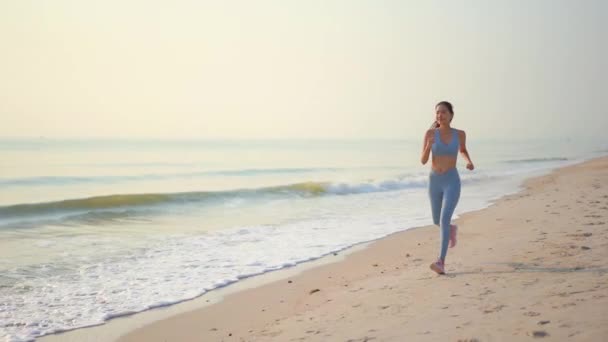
444	192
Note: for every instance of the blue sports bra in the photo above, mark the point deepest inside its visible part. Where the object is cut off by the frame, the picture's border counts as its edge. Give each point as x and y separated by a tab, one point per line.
439	148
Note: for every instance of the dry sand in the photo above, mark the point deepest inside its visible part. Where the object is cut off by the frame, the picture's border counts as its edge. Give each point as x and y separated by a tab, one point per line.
531	266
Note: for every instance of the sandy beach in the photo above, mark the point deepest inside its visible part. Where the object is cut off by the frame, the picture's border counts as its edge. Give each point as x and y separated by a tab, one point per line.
530	266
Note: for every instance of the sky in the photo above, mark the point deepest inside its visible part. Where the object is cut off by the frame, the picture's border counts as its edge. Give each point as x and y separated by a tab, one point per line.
315	69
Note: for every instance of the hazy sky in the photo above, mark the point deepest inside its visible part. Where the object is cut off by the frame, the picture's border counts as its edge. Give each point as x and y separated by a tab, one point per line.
306	69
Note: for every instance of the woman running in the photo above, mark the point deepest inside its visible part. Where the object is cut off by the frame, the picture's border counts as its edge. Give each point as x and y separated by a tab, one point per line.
444	181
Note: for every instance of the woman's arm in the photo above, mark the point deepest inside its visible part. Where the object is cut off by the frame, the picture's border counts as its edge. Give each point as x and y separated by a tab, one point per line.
463	150
426	146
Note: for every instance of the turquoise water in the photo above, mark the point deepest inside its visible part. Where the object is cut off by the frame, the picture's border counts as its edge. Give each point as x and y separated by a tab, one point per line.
93	229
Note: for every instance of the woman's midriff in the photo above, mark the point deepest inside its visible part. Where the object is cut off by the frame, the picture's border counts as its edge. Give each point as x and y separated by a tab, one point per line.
442	164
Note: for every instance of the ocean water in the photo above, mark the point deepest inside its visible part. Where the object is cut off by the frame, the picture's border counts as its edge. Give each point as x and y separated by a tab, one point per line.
95	229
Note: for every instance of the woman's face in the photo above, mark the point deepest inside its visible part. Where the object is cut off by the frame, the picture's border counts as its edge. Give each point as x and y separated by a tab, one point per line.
443	115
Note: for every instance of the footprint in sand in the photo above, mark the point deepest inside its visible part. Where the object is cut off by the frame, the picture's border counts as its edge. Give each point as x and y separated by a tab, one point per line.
540	333
494	309
364	339
316	332
595	223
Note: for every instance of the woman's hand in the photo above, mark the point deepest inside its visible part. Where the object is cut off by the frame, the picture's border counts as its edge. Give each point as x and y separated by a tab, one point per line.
430	140
427	142
463	150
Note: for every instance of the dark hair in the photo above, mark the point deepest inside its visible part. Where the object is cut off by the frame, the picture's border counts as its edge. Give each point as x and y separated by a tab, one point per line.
447	104
450	109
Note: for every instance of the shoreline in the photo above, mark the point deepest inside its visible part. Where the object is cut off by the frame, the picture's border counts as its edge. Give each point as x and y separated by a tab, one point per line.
115	328
155	323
